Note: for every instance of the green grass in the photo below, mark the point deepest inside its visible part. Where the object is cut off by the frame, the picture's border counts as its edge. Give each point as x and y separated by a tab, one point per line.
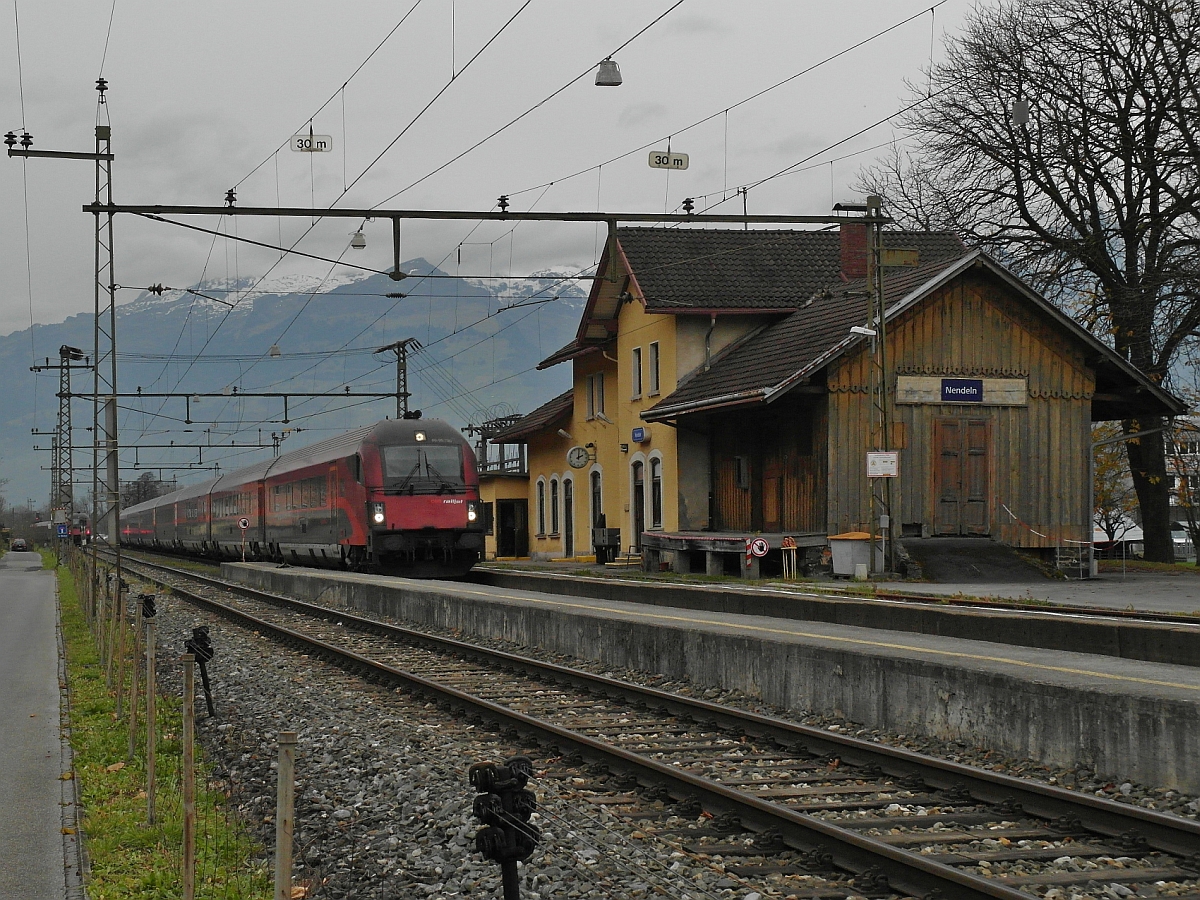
130	858
1141	565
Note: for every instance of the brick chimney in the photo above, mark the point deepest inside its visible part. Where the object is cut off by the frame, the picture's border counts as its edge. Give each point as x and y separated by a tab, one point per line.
854	250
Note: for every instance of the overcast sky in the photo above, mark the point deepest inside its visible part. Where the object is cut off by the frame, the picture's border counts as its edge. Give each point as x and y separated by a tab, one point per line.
201	94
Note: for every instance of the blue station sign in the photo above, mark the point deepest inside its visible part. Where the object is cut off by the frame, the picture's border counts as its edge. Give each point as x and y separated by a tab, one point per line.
962	390
63	530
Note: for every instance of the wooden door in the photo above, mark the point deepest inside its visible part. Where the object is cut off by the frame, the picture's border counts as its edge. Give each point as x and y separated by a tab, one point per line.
772	492
960	477
639	503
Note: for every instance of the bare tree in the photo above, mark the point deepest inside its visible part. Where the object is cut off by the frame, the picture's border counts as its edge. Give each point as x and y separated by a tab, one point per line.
1093	195
1184	457
1115	502
146	487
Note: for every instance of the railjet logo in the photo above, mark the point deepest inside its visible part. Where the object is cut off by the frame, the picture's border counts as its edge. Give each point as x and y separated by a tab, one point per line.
962	390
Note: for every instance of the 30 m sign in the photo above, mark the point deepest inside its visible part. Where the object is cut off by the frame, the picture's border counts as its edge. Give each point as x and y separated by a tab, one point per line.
661	160
312	143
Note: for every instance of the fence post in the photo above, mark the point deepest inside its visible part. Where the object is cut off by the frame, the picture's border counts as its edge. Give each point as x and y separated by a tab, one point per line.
133	688
189	777
122	645
285	819
151	722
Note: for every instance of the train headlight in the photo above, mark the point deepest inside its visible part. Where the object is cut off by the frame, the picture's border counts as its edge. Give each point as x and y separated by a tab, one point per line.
378	516
472	511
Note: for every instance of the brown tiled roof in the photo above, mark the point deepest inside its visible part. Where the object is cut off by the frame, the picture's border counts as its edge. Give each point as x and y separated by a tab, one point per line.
755	368
683	268
767	363
544	415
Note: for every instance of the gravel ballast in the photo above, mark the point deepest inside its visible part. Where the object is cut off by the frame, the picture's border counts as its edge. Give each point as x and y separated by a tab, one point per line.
383	807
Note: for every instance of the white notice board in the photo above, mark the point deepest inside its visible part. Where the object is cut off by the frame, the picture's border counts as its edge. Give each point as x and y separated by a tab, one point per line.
883	464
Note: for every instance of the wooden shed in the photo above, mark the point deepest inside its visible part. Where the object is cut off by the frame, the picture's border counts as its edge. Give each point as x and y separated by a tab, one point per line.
993	392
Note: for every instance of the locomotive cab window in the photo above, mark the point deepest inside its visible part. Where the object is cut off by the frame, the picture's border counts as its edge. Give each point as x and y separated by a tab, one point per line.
425	467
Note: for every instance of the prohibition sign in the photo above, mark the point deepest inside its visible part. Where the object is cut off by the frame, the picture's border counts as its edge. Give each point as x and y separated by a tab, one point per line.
759	547
243	523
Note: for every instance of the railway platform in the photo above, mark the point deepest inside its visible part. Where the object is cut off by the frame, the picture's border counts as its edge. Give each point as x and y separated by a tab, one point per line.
1130	717
39	843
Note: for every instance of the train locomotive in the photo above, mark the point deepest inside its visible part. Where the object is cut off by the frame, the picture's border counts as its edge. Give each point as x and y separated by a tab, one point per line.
400	497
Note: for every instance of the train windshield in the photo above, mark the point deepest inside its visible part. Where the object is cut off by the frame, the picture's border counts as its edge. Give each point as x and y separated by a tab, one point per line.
423	468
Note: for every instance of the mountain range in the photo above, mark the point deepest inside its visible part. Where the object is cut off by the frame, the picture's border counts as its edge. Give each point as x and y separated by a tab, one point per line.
480	339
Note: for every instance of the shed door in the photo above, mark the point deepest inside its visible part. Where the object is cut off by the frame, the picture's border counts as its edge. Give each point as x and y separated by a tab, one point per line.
961	476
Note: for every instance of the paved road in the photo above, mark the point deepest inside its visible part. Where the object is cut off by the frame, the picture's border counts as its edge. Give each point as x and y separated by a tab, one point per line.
1153	592
31	840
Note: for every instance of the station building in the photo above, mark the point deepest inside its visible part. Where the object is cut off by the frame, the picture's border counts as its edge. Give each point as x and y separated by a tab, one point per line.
719	393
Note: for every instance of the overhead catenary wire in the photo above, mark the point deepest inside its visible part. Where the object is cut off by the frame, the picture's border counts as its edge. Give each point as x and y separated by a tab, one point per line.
473	58
551	183
340	90
311	226
725	111
591	68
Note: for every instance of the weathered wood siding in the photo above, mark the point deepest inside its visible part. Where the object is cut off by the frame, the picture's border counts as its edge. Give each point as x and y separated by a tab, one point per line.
783	467
1036	454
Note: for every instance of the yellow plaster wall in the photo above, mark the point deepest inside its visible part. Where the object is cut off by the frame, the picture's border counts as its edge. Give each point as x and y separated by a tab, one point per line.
496	487
637	328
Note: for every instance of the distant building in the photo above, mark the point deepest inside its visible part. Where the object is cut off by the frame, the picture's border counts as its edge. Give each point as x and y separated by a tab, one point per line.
719	393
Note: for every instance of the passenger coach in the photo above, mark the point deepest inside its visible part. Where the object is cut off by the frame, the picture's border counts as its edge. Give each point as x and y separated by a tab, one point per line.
400	496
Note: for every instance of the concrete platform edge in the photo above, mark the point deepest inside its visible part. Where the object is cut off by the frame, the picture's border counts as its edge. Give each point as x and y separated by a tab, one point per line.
1123	733
1051	630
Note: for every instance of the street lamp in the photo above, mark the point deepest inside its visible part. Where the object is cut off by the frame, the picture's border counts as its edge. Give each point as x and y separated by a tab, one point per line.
609	74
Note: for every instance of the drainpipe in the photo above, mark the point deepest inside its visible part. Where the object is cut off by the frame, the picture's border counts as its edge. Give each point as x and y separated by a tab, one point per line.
712	323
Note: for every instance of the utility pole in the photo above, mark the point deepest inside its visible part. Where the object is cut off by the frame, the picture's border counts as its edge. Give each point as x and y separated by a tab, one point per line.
62	468
402	392
105	475
64	492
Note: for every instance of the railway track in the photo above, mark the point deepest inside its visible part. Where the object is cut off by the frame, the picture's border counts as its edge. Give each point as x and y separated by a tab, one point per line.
771	797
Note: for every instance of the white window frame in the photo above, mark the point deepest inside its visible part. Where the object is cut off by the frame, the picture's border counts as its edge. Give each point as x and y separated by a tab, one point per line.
654	383
636	372
555	498
540	504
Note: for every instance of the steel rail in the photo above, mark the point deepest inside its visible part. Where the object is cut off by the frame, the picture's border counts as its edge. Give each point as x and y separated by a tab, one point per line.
1171	834
851	851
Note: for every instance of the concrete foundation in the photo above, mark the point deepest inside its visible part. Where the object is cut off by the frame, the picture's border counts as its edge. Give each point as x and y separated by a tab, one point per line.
1124	718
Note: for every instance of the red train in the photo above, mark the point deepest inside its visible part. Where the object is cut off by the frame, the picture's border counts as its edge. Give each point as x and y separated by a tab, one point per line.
400	496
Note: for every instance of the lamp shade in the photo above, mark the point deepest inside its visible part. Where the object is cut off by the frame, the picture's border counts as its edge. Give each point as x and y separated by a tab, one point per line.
609	74
359	240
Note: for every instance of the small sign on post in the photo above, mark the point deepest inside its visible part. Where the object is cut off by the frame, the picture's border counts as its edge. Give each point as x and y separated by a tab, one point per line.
663	160
312	143
883	464
243	523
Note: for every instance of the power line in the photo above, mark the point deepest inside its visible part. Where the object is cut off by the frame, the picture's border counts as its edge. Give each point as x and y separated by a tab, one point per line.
340	90
531	109
734	106
425	108
107	35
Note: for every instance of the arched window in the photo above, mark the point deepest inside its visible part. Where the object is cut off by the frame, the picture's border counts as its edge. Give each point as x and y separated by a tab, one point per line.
656	497
541	508
554	506
639	502
568	489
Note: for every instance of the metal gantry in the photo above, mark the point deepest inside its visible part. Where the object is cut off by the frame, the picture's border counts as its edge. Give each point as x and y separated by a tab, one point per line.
402	391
